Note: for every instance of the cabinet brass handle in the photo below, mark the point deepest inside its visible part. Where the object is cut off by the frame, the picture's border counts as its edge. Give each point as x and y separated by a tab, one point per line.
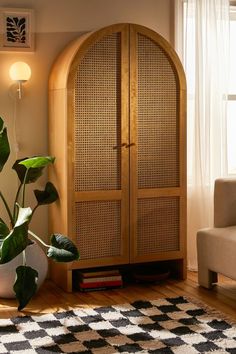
120	146
129	145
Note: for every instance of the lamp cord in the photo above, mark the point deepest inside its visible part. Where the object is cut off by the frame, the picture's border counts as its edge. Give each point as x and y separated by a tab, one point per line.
15	136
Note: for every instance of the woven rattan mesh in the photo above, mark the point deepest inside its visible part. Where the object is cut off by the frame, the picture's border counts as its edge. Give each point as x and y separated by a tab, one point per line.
158	144
98	116
158	225
98	229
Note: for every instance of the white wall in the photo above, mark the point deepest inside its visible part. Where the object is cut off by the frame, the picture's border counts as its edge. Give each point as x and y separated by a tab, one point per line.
58	22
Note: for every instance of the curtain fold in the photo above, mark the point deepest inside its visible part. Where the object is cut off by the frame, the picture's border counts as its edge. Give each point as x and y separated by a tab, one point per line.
206	61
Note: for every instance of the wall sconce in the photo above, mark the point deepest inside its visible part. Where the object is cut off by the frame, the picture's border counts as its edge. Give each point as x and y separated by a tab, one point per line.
20	72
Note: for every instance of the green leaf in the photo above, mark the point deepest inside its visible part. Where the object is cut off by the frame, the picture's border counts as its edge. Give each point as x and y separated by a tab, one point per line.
48	196
4	145
4	230
32	175
17	240
37	161
62	249
24	216
25	285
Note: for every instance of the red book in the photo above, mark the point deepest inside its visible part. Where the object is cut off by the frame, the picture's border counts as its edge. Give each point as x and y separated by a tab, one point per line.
101	284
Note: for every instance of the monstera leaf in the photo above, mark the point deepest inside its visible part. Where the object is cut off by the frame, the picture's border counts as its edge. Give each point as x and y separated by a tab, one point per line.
62	249
26	285
33	166
4	145
48	196
17	240
4	230
32	174
37	161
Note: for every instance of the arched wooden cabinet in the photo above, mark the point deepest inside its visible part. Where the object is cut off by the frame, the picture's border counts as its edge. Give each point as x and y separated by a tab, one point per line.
117	130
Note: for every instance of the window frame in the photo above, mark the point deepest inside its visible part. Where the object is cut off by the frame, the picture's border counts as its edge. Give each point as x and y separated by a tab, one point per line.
231	95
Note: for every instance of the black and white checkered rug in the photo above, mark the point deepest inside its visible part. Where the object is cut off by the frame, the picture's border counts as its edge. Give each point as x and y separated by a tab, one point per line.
171	325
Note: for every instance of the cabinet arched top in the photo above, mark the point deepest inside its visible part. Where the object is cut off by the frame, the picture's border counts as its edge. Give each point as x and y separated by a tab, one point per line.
67	63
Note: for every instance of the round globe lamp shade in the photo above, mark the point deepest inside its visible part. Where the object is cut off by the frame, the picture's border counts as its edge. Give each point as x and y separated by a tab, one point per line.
20	71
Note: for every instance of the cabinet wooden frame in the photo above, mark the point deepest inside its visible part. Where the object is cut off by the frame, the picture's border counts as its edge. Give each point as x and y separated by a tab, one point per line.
61	144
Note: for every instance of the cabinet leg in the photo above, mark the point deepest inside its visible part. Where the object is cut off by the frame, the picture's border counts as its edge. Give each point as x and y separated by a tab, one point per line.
62	277
179	269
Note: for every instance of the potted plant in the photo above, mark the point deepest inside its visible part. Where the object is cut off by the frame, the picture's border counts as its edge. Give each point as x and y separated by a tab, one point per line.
15	235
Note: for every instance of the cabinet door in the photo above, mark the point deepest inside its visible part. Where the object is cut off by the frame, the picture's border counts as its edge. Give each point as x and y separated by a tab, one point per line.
100	160
157	158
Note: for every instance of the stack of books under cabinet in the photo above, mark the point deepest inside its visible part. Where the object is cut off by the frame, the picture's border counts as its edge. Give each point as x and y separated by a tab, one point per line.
100	280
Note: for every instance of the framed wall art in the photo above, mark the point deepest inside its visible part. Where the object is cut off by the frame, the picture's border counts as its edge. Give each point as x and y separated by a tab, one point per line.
16	30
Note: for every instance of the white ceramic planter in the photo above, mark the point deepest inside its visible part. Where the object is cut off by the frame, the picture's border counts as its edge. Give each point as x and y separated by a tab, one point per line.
35	258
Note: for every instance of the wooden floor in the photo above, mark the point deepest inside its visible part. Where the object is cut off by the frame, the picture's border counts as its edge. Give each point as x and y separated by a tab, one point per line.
50	298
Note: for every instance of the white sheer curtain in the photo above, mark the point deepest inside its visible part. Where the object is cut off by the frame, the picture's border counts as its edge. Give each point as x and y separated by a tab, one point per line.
206	63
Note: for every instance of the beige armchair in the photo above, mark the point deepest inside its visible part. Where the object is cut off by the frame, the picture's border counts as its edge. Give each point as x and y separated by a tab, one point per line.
216	247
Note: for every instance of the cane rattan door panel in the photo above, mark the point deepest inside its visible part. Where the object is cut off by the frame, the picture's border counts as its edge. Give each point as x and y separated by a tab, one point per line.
157	226
98	117
157	120
98	229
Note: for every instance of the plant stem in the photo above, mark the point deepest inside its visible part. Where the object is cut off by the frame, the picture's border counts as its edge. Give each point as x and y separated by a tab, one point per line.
15	203
24	258
38	239
24	183
7	209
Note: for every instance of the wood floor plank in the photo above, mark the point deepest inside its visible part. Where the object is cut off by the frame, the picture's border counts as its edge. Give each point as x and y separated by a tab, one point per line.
51	298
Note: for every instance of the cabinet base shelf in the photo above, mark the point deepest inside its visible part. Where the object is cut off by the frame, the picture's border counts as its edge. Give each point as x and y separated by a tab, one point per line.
68	279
